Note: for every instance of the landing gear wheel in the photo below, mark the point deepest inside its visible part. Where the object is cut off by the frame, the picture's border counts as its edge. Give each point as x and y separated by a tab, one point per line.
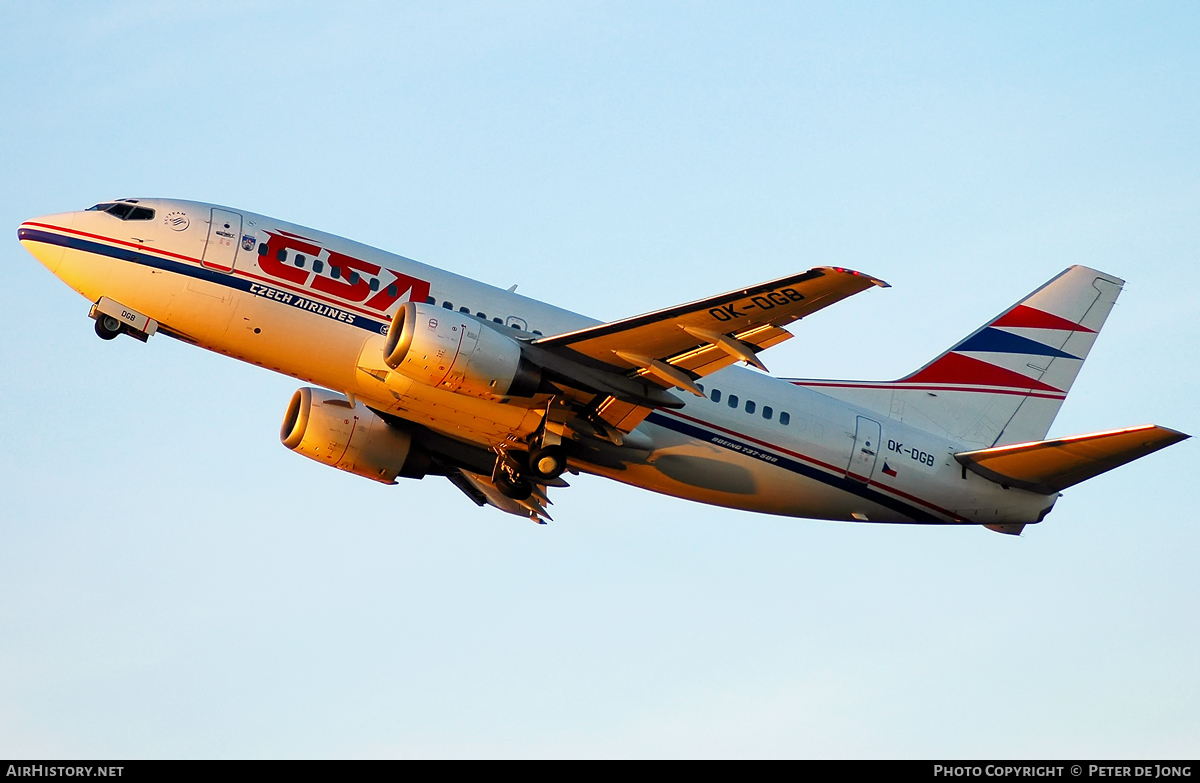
519	488
107	327
548	462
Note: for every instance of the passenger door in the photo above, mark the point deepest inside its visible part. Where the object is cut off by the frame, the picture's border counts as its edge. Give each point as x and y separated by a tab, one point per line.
224	233
865	450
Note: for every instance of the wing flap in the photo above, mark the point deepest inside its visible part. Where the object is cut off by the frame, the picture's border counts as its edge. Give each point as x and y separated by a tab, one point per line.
708	358
624	416
700	361
1049	466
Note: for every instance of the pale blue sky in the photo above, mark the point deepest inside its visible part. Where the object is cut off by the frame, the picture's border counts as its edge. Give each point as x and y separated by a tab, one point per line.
173	582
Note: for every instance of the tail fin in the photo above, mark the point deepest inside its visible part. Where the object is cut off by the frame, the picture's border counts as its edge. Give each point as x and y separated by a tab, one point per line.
1006	381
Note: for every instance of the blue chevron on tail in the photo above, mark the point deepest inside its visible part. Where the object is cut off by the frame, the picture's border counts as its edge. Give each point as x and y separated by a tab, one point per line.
1005	382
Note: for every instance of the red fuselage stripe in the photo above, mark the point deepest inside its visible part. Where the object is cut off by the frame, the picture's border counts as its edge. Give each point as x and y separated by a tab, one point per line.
924	387
811	460
274	283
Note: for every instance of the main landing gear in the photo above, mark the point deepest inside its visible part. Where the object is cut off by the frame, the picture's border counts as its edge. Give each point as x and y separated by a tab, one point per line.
517	472
512	484
548	462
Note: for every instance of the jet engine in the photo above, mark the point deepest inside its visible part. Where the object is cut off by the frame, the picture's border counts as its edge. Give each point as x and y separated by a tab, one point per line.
458	353
325	426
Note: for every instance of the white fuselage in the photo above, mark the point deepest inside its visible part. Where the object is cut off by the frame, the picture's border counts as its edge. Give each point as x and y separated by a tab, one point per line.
187	271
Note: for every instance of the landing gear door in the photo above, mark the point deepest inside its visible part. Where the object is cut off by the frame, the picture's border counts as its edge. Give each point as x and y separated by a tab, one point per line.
865	451
224	233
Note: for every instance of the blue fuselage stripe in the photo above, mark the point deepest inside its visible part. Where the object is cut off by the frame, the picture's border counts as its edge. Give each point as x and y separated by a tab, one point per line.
189	270
663	420
808	471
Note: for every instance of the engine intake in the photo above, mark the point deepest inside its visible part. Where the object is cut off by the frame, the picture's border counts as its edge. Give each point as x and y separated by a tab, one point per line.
459	353
324	426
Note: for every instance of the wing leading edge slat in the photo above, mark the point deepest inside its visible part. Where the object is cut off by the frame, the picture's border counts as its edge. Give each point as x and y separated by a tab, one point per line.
663	334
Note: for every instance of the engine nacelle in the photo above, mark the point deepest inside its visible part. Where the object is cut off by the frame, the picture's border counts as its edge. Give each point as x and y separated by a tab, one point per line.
458	353
324	426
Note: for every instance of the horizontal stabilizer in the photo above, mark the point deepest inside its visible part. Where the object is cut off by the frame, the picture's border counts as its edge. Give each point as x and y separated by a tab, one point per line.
1048	466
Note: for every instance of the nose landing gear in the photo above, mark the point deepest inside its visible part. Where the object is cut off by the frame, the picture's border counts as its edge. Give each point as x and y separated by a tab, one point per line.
107	327
113	318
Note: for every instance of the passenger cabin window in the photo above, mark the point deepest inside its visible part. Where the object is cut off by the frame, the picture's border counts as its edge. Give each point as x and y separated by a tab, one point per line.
353	278
499	321
428	299
263	249
481	315
448	305
767	412
733	401
785	418
282	254
335	272
374	283
716	395
318	265
750	406
466	310
300	260
539	334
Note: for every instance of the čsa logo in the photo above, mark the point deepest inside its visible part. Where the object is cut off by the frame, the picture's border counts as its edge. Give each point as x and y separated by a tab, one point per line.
301	261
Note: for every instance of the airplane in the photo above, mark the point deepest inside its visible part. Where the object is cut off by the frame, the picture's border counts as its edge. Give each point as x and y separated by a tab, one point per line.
420	372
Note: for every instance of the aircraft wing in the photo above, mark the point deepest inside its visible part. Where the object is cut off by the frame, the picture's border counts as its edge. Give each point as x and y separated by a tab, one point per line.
673	347
748	312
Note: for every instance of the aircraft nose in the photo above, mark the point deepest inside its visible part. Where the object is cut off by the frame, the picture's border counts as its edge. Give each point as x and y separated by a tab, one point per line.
46	237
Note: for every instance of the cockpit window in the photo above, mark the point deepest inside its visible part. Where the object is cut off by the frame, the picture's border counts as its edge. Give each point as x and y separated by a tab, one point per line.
125	210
